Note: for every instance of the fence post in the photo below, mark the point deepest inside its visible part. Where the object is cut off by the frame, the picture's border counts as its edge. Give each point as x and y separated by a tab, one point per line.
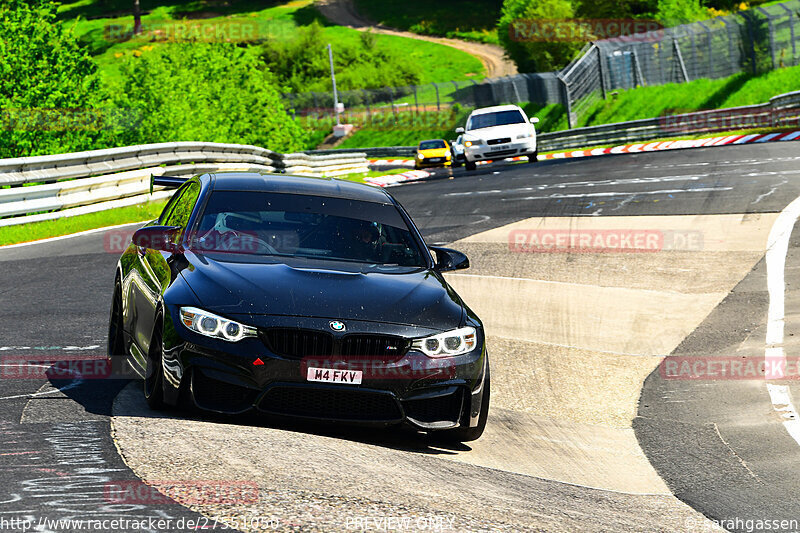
790	14
638	70
751	35
600	71
366	102
438	106
731	45
771	36
567	101
416	103
680	60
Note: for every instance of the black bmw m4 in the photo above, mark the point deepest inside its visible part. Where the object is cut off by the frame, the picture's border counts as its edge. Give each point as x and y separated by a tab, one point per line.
299	297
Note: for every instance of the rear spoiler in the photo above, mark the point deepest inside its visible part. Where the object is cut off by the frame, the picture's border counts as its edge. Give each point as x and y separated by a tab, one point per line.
169	182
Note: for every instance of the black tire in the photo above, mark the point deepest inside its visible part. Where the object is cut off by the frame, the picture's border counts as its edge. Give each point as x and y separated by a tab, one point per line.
533	158
116	340
154	376
470	165
468	434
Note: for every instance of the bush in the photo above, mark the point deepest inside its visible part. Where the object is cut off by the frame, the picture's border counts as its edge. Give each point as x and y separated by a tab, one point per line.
533	53
205	92
302	63
47	83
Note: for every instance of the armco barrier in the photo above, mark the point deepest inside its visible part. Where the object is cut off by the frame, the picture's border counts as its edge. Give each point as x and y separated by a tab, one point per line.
84	182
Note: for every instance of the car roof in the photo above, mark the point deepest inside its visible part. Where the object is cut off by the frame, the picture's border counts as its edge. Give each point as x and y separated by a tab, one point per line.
495	109
293	184
433	140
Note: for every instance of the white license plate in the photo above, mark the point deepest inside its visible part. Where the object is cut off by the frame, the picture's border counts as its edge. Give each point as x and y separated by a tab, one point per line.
499	148
329	375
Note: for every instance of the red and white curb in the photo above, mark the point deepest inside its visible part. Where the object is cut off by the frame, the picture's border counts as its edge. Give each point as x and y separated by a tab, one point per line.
394	179
680	144
391	162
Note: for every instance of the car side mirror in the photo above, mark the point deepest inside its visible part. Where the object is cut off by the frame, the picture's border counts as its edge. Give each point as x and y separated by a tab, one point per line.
448	259
162	238
534	120
459	130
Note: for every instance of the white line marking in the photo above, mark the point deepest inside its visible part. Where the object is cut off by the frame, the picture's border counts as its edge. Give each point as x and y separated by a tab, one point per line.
774	356
62	237
620	193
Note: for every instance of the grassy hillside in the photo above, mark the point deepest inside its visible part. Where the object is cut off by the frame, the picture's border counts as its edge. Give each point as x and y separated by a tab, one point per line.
97	20
473	20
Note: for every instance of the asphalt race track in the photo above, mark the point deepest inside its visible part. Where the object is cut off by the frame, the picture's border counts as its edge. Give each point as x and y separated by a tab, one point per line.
586	432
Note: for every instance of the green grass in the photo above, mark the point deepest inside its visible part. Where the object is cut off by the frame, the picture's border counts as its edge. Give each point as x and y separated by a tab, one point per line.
271	19
68	225
647	102
473	20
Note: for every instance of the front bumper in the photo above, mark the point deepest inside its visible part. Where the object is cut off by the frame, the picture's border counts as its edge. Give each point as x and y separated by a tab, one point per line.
413	389
484	152
430	162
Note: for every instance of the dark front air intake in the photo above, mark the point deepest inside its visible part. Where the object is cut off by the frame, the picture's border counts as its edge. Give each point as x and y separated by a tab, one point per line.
383	346
218	396
332	404
296	343
504	140
445	408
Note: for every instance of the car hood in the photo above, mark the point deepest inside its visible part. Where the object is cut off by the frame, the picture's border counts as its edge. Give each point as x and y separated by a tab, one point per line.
226	284
509	130
435	152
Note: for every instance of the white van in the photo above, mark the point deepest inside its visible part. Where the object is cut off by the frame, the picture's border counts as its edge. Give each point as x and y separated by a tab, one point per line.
498	132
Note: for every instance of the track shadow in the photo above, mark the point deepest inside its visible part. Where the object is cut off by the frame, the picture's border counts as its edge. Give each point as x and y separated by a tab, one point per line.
130	403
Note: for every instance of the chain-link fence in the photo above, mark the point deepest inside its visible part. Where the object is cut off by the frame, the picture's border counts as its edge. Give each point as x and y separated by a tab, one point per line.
755	41
540	88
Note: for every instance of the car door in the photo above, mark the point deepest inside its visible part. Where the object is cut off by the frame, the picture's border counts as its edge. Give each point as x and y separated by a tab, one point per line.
152	272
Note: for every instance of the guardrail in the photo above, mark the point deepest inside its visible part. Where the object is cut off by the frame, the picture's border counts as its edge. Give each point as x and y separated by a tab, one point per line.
782	111
97	180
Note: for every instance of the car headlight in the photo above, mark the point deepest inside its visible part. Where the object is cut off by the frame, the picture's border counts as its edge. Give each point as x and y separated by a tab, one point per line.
525	135
420	156
447	344
472	143
211	325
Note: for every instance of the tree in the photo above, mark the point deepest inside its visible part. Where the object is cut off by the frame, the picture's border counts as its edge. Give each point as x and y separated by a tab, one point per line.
205	92
526	31
137	18
48	84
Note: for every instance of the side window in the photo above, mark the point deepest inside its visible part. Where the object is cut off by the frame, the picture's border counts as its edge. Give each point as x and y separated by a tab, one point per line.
181	209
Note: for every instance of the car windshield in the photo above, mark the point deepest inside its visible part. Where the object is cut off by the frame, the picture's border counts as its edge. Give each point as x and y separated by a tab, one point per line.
499	118
305	226
431	145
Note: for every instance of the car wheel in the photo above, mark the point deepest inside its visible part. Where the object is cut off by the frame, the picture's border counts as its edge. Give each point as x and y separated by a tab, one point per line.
533	158
467	434
116	342
154	377
470	165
